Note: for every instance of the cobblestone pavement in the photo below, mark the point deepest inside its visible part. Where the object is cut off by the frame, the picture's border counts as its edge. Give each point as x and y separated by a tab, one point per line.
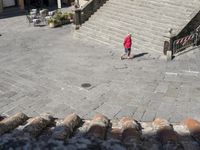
42	70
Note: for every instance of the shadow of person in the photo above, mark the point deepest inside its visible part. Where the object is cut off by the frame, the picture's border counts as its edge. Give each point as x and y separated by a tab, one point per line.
139	55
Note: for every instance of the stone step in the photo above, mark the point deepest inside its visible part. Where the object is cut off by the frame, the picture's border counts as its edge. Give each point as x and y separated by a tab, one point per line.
137	44
148	21
123	27
111	32
148	12
130	24
164	3
157	3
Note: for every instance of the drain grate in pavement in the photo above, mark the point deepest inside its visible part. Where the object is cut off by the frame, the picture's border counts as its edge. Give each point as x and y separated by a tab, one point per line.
86	85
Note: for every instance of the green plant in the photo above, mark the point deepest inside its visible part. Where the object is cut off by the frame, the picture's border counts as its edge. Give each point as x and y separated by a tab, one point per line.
58	15
65	16
60	18
52	20
58	12
71	15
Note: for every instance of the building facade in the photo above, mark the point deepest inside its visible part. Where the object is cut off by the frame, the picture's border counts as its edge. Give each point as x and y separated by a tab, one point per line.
27	4
11	3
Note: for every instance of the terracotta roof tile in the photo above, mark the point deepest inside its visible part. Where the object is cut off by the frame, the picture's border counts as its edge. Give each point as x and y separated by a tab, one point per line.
100	133
98	126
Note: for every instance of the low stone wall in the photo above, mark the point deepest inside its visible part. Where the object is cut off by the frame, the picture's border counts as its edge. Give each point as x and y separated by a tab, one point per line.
84	13
191	26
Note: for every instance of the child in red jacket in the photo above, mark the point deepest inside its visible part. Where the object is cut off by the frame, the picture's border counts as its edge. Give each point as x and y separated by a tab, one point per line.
127	47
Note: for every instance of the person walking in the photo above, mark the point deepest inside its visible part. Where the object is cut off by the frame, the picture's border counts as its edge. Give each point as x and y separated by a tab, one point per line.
127	47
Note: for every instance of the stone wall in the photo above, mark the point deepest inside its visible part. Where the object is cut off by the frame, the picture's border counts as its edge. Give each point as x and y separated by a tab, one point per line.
83	14
191	26
19	2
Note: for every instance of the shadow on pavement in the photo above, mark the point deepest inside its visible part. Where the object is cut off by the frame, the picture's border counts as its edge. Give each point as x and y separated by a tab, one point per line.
185	51
139	55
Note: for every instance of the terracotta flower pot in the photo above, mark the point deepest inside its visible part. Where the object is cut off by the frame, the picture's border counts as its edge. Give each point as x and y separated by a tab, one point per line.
52	25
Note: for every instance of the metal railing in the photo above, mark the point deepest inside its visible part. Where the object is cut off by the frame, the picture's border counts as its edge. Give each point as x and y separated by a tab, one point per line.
185	42
83	14
184	36
177	43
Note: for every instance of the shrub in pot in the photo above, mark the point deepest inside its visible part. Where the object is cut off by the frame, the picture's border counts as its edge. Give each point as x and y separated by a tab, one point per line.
65	18
60	18
71	16
53	22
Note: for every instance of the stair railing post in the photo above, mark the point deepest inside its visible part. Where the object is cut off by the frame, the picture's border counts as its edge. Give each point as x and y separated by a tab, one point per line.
168	45
77	18
94	6
170	50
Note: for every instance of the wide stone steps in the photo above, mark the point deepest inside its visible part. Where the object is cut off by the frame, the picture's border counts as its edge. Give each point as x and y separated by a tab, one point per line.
137	21
116	42
125	27
148	20
162	3
148	7
145	12
112	34
127	24
169	4
110	28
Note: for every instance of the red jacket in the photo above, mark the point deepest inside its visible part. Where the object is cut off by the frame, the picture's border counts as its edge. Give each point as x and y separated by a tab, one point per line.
127	42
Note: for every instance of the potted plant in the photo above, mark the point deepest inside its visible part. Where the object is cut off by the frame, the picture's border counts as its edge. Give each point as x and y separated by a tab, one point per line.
71	16
52	22
65	18
60	18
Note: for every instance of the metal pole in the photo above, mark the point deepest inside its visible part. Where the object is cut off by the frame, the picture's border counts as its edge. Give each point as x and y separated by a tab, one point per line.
59	4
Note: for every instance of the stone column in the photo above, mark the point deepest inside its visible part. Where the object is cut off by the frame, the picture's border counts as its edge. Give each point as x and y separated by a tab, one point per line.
77	18
21	4
1	5
59	3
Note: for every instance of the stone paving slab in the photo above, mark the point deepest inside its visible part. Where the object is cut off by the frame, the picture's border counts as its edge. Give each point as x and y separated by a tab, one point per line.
42	70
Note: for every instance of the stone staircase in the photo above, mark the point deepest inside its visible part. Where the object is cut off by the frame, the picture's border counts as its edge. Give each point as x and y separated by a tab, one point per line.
149	21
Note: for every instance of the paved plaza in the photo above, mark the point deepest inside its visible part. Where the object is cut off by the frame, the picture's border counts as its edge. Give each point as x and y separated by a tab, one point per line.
42	70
